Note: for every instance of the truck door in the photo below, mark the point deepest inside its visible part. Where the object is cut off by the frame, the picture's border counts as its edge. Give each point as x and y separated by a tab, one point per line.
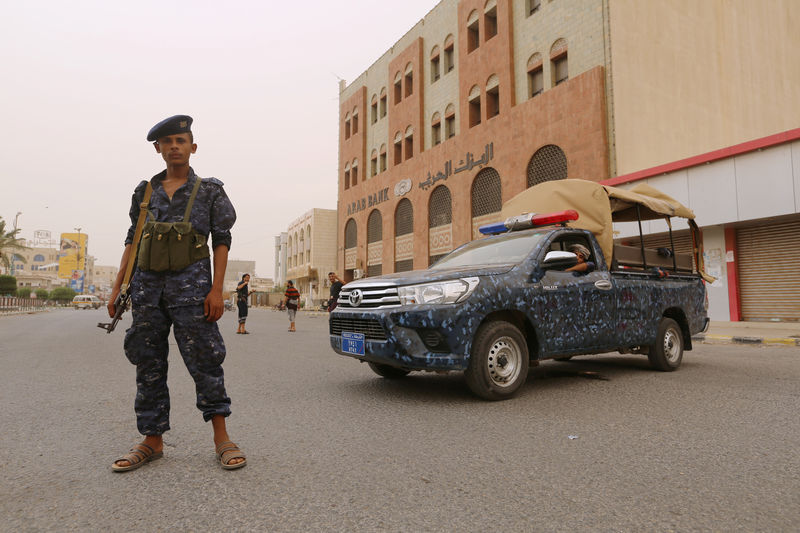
577	309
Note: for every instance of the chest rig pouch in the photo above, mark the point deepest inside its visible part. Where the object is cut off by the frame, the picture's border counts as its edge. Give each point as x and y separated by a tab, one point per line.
172	245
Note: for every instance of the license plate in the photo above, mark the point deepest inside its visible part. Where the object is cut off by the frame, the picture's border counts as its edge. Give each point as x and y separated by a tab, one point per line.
353	343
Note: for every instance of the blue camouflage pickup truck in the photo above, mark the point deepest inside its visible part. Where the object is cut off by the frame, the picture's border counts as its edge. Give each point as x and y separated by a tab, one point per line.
497	305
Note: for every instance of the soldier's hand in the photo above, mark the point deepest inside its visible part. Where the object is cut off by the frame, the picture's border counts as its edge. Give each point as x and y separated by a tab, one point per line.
112	309
213	306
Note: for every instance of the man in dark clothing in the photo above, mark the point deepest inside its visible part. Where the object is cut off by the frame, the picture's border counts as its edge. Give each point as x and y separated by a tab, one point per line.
336	288
167	292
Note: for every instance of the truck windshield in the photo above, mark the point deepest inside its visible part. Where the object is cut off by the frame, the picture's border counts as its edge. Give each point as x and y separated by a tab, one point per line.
510	249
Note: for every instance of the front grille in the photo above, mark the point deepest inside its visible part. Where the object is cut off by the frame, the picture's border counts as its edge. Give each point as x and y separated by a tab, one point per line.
371	329
372	297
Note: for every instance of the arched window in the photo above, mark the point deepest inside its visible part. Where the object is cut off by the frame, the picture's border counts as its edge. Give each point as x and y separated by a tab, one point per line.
435	64
535	75
354	173
308	243
409	80
404	236
38	258
473	32
374	243
449	53
492	96
440	229
489	20
474	106
355	121
436	129
547	164
373	106
347	126
382	109
558	61
487	199
346	176
398	88
409	149
373	163
350	244
449	121
301	248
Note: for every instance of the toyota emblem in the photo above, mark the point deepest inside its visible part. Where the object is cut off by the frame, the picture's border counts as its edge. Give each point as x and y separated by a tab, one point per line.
355	297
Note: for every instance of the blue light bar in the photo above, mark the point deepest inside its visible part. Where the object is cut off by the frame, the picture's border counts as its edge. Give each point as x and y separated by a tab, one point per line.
493	229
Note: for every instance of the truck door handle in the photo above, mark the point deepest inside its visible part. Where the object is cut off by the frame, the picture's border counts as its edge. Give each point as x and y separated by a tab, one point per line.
603	284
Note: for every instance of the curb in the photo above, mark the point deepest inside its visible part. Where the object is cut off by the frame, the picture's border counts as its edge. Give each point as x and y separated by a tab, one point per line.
735	339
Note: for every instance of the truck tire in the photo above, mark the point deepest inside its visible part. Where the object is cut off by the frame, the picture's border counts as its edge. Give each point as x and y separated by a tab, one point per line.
498	362
388	372
667	352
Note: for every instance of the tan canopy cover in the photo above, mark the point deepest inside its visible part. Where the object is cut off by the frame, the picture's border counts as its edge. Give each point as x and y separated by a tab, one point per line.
597	206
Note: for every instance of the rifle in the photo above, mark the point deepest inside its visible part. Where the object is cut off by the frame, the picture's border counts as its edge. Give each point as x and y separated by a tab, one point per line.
121	305
123	300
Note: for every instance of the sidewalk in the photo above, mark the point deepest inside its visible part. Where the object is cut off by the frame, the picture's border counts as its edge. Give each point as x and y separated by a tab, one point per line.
784	333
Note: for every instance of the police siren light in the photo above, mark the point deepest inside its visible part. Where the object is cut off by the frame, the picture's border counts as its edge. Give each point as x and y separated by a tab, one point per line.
529	220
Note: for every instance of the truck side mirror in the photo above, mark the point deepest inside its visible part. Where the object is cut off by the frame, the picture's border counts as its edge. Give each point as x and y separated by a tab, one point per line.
556	260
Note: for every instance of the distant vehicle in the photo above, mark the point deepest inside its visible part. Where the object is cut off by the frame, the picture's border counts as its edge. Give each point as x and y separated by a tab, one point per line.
86	301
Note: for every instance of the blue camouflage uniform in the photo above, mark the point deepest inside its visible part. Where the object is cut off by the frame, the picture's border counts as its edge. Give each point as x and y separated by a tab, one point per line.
163	299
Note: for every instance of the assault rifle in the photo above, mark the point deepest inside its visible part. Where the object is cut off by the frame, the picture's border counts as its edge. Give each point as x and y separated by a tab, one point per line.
123	301
121	305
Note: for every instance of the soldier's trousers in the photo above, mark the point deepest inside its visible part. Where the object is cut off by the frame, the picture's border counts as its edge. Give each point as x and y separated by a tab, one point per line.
202	349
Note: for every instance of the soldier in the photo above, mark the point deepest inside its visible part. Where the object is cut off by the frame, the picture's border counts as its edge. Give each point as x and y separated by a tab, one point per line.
172	286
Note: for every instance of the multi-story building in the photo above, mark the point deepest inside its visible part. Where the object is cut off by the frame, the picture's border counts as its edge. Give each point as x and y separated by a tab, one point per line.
36	267
281	244
483	99
311	253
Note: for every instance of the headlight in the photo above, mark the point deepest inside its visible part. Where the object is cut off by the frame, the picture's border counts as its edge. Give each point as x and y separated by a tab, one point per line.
442	292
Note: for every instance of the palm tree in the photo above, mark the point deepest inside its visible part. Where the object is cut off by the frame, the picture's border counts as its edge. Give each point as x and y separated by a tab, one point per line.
8	245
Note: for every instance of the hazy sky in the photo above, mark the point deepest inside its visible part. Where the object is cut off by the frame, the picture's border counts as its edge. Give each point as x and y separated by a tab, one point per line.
83	82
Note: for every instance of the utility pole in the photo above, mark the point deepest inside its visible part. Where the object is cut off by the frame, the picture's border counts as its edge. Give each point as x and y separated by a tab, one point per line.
78	264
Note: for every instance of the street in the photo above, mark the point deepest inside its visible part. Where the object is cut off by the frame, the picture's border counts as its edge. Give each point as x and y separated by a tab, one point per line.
333	447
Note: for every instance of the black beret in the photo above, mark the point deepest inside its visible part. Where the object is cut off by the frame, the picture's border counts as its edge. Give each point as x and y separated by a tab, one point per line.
170	126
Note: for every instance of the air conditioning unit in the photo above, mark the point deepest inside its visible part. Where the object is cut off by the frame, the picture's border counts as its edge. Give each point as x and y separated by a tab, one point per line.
358	273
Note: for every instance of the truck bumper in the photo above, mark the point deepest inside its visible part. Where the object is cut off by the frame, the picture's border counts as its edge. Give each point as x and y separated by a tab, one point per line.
413	340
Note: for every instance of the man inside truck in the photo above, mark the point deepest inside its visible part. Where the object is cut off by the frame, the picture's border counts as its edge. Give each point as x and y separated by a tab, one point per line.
583	255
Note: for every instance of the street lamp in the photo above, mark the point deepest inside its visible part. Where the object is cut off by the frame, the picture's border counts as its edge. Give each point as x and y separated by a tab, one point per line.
78	264
15	219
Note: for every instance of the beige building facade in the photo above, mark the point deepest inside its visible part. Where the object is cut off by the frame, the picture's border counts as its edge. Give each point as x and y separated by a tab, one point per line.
310	249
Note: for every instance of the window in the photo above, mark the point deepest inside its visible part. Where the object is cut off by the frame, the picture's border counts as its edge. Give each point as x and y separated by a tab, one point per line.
350	234
347	126
409	81
449	54
404	247
547	164
486	193
440	213
373	164
409	143
492	97
558	61
535	75
398	148
374	237
560	69
398	89
38	258
473	33
436	129
383	103
450	121
383	158
354	173
374	110
435	72
474	106
347	176
490	21
355	122
533	6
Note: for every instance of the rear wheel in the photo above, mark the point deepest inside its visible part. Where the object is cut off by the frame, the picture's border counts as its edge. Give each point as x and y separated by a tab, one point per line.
498	362
388	372
667	352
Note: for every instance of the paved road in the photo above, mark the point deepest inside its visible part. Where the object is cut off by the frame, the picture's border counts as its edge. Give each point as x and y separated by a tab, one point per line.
331	447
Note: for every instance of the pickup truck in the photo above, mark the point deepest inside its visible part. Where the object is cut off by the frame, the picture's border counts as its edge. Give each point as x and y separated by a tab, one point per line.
495	306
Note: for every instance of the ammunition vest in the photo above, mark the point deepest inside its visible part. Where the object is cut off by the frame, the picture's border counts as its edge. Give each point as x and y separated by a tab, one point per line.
172	245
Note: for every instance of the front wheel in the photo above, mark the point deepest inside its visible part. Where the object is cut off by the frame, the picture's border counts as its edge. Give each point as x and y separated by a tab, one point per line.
498	362
388	372
667	352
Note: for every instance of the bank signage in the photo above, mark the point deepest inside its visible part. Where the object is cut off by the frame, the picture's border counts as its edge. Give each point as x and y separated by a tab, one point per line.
369	201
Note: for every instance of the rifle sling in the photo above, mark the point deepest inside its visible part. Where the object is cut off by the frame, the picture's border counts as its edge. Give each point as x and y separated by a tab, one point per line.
137	235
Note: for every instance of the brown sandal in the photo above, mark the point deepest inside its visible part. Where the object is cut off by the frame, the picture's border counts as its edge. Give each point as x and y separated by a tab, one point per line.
138	456
226	452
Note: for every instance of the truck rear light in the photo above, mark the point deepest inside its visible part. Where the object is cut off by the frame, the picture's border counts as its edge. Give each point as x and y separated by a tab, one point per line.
529	220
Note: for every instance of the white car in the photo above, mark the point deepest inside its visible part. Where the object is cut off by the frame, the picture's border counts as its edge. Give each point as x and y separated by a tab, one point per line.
86	301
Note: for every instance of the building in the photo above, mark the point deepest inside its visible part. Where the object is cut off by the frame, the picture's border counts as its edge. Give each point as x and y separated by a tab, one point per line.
281	243
234	272
102	278
481	100
311	254
37	268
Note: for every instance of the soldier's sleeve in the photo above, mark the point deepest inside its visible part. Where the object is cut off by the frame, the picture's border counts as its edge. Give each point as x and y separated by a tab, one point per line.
223	215
136	199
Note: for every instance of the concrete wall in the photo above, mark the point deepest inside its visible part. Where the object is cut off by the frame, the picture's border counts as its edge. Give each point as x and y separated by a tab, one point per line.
692	76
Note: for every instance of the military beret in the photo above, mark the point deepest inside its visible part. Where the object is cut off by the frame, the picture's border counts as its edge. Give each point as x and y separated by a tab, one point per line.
170	126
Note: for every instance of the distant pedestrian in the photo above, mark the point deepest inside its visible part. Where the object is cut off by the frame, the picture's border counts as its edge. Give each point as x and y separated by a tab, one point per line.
242	293
336	288
292	301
